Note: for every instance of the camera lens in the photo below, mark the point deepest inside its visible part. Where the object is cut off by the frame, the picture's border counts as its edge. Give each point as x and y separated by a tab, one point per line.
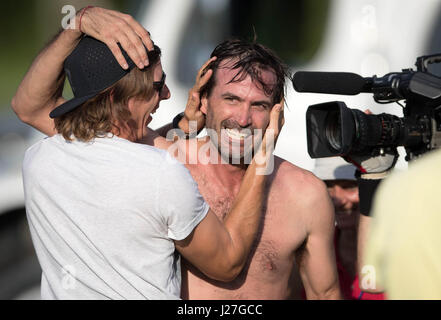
333	130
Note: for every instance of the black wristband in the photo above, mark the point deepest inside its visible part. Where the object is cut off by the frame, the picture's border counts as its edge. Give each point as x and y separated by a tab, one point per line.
176	120
366	193
175	124
178	131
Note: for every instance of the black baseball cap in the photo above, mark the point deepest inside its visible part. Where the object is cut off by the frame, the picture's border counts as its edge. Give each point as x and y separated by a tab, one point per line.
90	68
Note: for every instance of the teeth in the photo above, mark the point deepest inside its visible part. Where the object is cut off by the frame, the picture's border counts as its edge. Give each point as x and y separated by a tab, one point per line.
236	134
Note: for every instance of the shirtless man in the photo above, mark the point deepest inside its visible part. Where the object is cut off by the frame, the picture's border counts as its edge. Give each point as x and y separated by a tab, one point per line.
298	221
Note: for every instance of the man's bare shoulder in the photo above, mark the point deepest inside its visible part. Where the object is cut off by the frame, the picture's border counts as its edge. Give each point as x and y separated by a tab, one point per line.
295	179
302	192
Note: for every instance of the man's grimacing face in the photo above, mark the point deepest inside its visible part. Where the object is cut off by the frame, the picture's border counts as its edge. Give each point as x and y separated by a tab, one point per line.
235	109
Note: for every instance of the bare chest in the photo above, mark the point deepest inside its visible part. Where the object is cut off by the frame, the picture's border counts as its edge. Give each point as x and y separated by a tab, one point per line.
271	260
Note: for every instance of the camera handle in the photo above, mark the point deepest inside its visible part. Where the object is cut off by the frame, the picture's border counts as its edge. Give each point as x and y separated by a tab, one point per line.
423	62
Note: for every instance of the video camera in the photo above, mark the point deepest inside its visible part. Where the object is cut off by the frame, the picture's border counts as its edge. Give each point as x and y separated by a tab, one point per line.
335	130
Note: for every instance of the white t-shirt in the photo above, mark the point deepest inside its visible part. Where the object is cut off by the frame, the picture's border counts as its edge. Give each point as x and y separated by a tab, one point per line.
103	216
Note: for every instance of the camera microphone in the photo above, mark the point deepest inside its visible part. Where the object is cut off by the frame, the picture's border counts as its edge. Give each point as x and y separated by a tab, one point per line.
329	82
389	88
335	130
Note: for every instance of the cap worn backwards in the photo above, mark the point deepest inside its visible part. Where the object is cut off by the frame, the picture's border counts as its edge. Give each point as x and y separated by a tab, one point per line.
90	69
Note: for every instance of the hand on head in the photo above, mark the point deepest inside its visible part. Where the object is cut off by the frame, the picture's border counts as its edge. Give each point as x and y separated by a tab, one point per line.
264	155
193	109
113	27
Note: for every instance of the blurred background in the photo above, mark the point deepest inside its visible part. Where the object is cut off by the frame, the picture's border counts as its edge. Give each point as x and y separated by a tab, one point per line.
363	36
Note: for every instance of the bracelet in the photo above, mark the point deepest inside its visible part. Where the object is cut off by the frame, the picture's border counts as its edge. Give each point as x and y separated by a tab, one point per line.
175	124
177	119
81	16
176	128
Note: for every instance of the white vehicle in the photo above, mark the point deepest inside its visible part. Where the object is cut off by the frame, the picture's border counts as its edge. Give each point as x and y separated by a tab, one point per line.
362	36
19	268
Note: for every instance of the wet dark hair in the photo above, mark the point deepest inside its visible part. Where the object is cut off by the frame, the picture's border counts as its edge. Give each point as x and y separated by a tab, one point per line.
249	58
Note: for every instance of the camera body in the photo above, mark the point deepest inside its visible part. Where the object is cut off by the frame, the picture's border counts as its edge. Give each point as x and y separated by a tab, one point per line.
335	130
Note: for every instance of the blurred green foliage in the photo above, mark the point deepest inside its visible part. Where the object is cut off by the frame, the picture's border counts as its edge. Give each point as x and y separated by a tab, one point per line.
294	29
25	27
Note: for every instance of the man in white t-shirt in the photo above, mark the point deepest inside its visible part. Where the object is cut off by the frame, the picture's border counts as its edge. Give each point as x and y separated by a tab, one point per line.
103	216
106	214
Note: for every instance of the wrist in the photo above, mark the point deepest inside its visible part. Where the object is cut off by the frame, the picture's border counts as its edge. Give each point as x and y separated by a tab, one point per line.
79	22
73	34
82	14
178	121
190	129
72	29
183	125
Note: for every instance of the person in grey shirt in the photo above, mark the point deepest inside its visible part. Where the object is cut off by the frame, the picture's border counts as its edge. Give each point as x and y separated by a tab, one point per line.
109	217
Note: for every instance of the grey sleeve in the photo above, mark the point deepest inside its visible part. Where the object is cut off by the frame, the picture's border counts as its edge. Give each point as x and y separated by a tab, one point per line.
180	201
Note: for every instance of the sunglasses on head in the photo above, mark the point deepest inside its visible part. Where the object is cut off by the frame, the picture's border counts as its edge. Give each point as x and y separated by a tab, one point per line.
159	85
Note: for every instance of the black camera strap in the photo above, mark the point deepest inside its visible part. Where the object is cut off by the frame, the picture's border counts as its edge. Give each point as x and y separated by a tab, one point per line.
366	192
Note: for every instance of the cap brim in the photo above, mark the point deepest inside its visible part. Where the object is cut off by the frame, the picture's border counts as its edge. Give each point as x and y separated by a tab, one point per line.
70	105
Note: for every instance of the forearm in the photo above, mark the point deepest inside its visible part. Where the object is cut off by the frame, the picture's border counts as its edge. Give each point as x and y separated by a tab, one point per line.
42	85
321	280
162	131
183	125
235	236
219	248
243	221
152	138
